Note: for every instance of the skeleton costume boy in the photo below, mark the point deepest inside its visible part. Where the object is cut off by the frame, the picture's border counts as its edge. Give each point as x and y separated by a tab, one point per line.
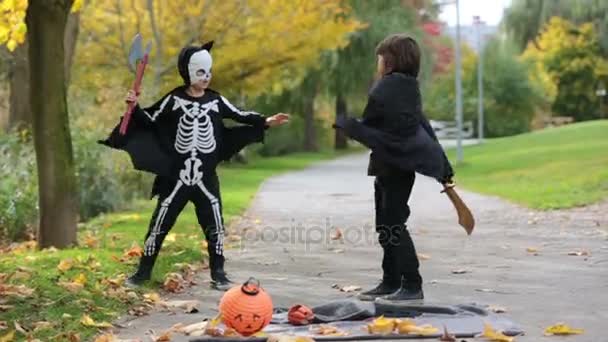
188	139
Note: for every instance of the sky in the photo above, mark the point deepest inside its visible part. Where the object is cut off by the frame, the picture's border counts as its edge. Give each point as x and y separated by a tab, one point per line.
489	10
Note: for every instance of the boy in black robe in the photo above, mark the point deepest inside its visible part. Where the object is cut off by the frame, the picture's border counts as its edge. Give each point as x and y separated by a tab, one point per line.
182	139
402	143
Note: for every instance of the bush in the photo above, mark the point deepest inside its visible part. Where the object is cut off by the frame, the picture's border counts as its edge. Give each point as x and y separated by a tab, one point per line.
106	181
19	186
510	98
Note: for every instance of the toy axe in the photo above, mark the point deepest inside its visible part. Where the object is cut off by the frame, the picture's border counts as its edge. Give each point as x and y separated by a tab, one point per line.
465	218
138	59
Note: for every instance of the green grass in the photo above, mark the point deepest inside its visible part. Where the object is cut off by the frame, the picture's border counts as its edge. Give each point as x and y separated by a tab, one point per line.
114	234
554	168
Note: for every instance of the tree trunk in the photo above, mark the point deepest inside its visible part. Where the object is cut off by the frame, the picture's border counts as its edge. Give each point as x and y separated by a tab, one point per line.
70	38
341	112
310	133
20	113
46	22
19	74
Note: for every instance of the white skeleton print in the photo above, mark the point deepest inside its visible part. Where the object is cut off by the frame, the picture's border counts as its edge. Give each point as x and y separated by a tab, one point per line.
194	135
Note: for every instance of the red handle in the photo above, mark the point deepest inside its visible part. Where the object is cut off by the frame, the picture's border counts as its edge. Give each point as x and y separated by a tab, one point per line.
139	75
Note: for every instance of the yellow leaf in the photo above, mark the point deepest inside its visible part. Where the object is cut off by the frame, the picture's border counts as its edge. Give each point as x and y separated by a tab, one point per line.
493	335
76	6
8	337
381	325
65	265
11	45
80	279
87	321
152	297
562	329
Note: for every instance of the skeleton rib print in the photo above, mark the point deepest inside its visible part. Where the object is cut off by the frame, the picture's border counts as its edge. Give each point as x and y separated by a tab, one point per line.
195	129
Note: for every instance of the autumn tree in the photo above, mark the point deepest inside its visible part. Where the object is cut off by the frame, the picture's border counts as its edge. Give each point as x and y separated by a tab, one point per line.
13	34
524	19
569	55
260	46
350	71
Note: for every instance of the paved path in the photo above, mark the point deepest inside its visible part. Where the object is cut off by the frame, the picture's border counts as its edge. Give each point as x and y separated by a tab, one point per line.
296	260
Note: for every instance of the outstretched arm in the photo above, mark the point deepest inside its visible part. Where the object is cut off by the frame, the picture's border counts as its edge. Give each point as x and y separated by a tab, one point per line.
230	111
252	118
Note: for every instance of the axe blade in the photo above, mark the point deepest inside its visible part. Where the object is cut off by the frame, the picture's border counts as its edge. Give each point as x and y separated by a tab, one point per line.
136	52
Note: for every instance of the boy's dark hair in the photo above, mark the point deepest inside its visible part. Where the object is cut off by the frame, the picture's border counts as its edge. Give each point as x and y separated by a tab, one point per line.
401	54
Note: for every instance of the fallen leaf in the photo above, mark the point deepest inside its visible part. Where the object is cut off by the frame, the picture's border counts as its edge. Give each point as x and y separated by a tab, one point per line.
80	279
337	234
115	282
493	335
73	287
105	338
350	288
87	321
65	265
579	253
562	329
170	237
382	325
66	316
190	329
409	327
531	249
20	275
460	271
134	251
3	325
19	328
189	306
6	307
423	256
8	337
329	330
91	241
152	297
173	283
447	337
21	291
164	337
497	309
42	325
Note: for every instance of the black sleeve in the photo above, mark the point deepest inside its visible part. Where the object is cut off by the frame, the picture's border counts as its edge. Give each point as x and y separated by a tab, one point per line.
229	111
152	113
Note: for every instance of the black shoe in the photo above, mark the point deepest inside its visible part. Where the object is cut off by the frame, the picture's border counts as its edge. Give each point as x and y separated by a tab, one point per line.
405	293
221	282
383	289
136	280
144	271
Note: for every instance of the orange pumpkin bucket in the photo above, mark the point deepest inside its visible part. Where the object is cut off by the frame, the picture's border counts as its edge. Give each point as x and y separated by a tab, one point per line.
246	308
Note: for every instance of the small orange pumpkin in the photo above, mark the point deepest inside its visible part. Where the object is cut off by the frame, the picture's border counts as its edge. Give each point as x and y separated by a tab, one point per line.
300	315
247	308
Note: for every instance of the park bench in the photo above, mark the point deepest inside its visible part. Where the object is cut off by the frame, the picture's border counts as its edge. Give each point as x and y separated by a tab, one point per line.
449	129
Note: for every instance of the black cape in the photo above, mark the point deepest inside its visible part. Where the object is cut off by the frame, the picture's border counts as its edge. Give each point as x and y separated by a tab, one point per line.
147	154
395	129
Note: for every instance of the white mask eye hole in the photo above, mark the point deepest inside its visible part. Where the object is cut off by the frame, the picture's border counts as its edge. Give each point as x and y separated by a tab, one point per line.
200	72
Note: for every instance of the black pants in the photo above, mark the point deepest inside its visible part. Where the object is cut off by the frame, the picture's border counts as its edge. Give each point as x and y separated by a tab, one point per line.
400	262
173	195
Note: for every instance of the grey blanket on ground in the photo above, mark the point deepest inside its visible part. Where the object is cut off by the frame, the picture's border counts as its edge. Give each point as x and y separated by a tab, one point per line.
352	317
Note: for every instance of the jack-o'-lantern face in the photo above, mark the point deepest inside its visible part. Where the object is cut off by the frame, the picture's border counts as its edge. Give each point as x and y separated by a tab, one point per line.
248	323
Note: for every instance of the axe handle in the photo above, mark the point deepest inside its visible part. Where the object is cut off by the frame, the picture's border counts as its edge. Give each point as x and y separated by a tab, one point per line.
139	75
